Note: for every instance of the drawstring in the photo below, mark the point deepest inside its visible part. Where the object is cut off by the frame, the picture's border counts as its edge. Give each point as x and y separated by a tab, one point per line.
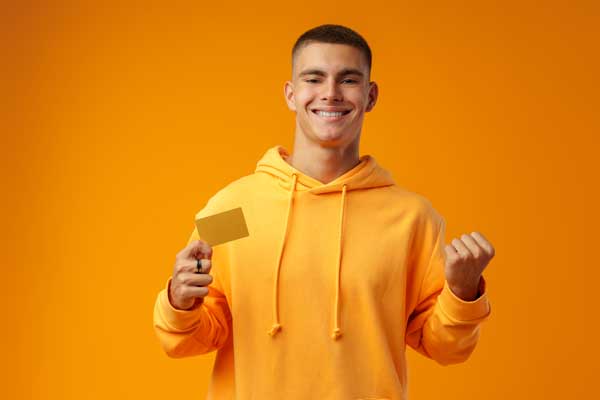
337	332
276	327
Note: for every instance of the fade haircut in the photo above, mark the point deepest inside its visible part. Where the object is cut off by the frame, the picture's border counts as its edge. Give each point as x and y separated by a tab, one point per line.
337	34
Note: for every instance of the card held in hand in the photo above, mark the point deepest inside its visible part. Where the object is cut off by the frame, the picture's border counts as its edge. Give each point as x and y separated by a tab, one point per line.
222	227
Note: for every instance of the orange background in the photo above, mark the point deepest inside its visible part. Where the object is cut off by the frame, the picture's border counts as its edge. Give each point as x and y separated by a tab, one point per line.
122	121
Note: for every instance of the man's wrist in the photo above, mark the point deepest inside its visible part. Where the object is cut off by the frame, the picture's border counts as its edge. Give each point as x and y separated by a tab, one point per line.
466	292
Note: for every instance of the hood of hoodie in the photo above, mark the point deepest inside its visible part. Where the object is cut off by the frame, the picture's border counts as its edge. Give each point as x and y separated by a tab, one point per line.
368	174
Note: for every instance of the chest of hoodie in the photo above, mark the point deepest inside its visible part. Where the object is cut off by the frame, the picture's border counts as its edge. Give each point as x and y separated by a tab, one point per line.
374	243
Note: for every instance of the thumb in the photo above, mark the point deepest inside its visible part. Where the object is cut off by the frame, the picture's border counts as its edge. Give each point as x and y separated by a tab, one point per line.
196	250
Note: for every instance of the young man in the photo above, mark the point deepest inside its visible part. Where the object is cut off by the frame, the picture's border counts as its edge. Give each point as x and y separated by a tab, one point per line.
342	269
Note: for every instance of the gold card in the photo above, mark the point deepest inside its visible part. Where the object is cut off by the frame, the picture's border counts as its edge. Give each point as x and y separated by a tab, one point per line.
222	227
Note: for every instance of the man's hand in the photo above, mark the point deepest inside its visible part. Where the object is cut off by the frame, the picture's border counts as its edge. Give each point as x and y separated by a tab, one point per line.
188	288
465	261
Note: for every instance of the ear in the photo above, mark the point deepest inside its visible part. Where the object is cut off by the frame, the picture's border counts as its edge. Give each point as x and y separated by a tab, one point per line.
288	92
373	94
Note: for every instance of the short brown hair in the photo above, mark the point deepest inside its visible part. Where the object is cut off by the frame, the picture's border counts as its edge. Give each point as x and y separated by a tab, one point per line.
330	33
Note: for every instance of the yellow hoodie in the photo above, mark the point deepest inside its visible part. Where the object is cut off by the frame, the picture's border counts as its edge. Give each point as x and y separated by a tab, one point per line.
321	299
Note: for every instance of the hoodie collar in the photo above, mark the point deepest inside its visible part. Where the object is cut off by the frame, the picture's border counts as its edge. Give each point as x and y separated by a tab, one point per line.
366	175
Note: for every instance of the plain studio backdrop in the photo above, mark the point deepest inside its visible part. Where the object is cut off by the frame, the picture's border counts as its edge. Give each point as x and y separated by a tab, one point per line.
122	120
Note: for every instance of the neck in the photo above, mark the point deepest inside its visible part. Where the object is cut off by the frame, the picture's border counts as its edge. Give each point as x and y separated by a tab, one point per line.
323	163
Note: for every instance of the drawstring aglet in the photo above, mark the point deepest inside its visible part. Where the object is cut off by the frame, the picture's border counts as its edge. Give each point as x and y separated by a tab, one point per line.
274	329
337	332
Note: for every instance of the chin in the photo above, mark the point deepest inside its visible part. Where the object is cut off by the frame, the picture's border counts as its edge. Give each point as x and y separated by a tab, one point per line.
333	138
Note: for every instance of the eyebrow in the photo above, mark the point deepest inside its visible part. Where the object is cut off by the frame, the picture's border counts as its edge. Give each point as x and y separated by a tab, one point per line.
345	71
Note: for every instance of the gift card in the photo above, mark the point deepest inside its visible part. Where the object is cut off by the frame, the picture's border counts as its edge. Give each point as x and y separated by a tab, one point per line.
222	227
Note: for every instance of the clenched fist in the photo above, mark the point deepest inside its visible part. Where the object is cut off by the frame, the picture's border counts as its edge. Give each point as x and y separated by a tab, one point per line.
188	285
465	261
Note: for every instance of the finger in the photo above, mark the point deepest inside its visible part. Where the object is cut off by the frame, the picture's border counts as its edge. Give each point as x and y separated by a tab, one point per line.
202	266
451	253
192	266
206	265
472	245
195	291
484	243
196	280
196	249
461	248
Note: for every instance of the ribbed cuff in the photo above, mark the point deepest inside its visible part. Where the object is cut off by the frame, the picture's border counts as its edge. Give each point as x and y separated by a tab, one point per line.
180	320
462	310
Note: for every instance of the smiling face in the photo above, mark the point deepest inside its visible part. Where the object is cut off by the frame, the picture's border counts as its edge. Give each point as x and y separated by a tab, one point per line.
330	92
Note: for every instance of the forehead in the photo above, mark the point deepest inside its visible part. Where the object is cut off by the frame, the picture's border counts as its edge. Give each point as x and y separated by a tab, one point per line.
329	57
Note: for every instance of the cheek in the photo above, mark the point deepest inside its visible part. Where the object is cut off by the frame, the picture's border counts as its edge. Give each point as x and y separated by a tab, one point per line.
303	98
358	100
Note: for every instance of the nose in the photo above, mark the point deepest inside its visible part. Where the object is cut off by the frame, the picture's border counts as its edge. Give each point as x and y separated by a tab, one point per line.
332	92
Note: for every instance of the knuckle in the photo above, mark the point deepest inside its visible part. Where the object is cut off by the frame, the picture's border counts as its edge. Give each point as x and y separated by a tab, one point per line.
186	281
180	292
179	266
181	279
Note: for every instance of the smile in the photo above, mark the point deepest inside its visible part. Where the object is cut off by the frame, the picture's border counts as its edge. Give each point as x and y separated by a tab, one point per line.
331	115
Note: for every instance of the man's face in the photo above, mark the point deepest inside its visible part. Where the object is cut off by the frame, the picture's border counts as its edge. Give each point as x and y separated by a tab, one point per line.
330	78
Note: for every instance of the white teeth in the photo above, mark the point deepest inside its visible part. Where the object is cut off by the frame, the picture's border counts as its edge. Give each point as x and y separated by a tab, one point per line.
329	114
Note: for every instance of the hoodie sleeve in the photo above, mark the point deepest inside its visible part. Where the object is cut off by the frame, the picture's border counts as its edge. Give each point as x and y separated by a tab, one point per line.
442	326
204	328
